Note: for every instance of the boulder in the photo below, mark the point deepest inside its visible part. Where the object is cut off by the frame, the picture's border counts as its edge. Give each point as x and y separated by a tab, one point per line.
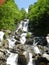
23	58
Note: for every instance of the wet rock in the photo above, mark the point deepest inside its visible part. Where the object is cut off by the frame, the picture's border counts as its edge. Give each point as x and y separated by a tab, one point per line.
17	42
17	38
23	58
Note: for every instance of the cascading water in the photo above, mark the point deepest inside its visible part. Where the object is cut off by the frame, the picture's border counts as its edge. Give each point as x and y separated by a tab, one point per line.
30	59
11	42
25	29
1	36
12	59
36	50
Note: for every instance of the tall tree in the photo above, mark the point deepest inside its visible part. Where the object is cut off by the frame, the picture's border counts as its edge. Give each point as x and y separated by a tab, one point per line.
39	17
23	12
8	15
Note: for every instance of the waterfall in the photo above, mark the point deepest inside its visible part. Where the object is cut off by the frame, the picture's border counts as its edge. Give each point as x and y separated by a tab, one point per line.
23	26
11	42
12	59
36	50
30	59
25	29
1	36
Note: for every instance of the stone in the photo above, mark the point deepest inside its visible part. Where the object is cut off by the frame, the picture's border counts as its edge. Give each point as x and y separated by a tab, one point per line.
5	43
23	58
17	42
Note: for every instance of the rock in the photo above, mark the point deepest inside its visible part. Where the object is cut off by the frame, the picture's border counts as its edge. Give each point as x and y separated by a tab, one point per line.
23	58
2	62
41	61
3	56
5	43
17	38
29	41
17	42
4	52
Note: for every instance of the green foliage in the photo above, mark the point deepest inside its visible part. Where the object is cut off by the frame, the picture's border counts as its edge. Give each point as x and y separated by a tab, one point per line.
39	17
28	35
9	14
23	13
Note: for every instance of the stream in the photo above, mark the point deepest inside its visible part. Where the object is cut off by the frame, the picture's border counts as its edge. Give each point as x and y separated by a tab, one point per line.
22	54
12	59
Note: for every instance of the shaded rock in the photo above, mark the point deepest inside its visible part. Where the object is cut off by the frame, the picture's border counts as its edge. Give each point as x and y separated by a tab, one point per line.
23	58
17	38
17	42
29	41
41	61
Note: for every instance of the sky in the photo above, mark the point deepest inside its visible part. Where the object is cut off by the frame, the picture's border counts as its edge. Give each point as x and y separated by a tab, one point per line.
24	3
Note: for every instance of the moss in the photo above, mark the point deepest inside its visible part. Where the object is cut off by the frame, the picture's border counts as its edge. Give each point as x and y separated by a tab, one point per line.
28	35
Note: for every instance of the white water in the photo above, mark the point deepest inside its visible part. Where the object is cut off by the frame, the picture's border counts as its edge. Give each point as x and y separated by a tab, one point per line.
36	50
1	36
23	35
11	42
47	38
12	59
20	26
24	27
23	39
46	56
30	59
